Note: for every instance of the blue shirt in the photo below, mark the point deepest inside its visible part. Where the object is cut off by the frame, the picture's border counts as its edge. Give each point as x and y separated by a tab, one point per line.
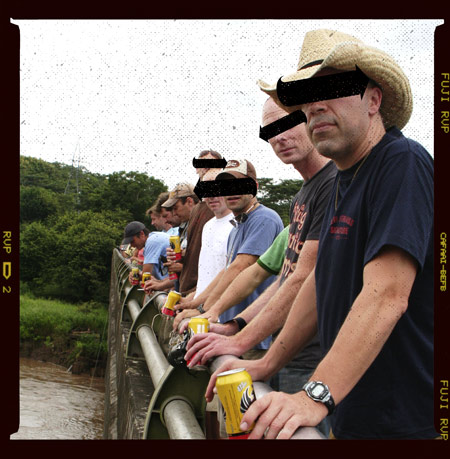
155	253
389	202
172	231
253	237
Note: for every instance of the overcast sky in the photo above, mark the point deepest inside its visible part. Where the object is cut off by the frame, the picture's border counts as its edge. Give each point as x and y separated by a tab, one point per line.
149	95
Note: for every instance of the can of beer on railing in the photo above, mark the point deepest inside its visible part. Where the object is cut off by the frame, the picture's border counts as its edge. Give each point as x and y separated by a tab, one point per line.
235	391
134	276
198	325
172	299
176	247
145	276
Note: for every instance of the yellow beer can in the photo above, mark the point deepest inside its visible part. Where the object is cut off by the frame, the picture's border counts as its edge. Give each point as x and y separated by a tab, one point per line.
135	276
145	276
172	299
199	325
175	245
235	391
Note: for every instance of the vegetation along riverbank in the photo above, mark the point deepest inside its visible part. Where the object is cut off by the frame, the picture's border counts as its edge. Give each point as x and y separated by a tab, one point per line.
74	336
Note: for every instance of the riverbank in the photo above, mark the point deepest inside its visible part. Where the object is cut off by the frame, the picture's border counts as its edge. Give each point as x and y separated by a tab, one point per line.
74	336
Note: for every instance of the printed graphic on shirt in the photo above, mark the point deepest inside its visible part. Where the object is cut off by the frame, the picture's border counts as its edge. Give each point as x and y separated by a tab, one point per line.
340	226
295	244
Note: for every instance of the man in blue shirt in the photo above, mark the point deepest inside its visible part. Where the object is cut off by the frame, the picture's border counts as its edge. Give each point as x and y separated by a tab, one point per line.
255	228
154	244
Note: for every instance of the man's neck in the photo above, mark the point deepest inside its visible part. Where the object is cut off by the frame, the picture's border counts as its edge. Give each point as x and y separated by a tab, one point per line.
312	164
249	208
223	213
375	134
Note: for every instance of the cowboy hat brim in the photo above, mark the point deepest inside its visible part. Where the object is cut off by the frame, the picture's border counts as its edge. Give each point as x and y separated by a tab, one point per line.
396	106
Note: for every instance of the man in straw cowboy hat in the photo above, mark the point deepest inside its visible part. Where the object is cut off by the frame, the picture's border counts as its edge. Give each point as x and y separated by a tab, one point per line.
371	295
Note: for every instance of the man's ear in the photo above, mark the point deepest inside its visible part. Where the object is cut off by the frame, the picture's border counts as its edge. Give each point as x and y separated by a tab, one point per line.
375	98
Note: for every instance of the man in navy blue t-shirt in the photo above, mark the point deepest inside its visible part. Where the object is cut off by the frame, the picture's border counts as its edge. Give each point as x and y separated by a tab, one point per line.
371	296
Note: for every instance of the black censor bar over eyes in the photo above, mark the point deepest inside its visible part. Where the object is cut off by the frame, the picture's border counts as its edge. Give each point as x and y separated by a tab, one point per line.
225	187
322	88
281	125
209	163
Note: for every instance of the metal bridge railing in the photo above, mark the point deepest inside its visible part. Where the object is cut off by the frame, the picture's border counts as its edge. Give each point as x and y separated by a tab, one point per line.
177	408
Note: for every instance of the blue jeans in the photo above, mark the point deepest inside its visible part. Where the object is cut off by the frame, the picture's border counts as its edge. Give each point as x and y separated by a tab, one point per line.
290	381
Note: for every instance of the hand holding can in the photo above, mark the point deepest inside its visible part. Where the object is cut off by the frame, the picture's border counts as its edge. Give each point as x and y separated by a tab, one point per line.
135	276
172	298
235	391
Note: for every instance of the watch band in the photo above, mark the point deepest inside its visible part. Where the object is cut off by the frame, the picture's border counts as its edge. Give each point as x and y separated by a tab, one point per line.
240	321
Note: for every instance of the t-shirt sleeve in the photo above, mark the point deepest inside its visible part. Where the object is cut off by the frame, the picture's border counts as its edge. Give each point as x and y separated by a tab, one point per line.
156	246
319	206
260	233
404	185
272	259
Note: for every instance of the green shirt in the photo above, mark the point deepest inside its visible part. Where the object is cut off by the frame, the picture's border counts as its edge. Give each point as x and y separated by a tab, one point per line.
272	259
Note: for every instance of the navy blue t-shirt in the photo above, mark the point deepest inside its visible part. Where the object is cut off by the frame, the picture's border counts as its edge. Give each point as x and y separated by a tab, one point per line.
389	202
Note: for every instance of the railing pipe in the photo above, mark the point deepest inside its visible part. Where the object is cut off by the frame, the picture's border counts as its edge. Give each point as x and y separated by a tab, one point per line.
177	413
154	356
133	308
180	421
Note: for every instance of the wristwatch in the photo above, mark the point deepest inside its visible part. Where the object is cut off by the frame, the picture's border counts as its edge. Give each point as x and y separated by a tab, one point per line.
319	392
239	321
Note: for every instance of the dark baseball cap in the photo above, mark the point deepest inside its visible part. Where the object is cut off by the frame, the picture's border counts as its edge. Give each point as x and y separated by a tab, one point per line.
131	230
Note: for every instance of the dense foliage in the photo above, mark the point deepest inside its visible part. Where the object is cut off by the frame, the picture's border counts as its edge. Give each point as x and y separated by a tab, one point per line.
78	331
72	219
278	196
70	222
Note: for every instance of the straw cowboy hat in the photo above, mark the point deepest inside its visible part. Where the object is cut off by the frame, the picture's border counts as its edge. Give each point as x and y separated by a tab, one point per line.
328	48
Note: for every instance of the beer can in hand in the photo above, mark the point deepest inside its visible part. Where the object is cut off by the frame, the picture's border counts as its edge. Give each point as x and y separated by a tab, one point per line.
198	325
145	276
175	246
172	299
135	276
235	391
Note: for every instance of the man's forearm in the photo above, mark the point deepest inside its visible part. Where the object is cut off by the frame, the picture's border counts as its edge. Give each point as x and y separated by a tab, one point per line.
388	280
239	289
203	297
272	317
298	329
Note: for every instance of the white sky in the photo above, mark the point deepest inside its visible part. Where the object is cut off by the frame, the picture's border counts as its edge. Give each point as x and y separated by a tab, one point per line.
149	95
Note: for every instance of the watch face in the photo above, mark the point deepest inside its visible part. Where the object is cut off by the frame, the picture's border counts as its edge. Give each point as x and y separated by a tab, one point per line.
318	391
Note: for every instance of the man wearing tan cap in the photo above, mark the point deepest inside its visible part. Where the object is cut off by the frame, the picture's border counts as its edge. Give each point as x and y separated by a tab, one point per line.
192	214
371	295
255	229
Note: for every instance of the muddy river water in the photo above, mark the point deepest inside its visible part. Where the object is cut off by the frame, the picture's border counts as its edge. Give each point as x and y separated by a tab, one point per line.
55	404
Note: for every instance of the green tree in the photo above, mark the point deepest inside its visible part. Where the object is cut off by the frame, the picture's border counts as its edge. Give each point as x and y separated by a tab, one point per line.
278	196
133	191
37	203
75	265
37	243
